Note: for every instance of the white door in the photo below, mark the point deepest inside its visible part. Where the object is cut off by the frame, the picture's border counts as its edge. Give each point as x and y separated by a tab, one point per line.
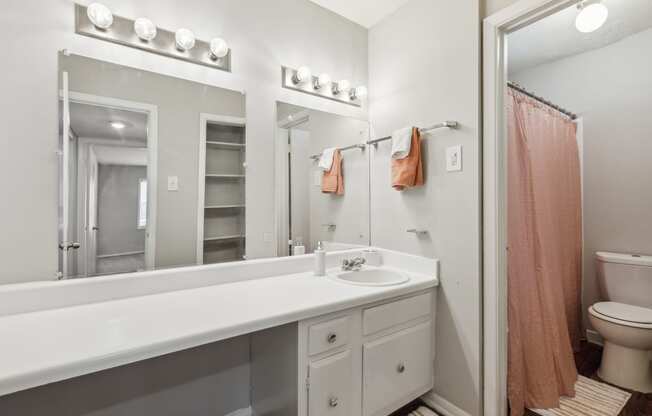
66	244
92	226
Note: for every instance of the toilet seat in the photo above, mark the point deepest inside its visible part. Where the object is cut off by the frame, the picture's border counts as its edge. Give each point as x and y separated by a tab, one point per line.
623	314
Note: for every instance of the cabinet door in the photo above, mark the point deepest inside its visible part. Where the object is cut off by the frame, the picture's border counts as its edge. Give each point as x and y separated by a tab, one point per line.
397	369
330	386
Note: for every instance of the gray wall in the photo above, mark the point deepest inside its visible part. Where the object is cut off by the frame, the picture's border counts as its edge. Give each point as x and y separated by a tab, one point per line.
117	209
211	380
263	35
425	61
610	89
349	212
179	104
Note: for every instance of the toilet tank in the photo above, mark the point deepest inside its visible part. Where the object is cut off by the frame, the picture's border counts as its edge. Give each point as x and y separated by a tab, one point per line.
625	278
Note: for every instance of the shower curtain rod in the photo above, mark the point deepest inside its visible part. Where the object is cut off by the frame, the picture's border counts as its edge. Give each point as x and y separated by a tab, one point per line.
449	124
522	90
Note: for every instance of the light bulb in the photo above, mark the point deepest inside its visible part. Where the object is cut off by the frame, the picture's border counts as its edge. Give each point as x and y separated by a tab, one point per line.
145	29
358	92
100	16
219	48
118	125
322	80
185	39
591	17
302	75
341	86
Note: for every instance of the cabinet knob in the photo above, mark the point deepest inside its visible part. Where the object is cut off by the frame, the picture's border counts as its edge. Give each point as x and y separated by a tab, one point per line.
331	338
400	368
333	402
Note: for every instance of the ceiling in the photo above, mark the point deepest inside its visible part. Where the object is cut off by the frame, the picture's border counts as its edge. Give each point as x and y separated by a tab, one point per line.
363	12
93	121
555	37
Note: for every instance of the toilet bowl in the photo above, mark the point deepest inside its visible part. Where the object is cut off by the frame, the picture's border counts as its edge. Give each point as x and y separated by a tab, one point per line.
627	334
624	319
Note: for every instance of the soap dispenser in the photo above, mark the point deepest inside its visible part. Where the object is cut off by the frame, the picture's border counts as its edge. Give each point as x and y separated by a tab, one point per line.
320	260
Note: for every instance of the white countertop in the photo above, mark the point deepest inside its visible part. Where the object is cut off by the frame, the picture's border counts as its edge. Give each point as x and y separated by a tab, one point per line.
50	345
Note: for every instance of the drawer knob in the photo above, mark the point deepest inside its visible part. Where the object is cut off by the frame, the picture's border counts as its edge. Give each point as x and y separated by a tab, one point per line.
400	368
331	338
333	402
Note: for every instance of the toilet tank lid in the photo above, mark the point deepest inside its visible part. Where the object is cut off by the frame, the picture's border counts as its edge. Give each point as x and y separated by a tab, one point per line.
634	259
623	312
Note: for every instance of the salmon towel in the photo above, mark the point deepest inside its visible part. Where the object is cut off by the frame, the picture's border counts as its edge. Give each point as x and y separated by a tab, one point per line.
332	182
408	172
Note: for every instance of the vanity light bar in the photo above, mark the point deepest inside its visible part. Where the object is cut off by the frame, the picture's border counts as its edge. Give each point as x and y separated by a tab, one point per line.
320	85
181	45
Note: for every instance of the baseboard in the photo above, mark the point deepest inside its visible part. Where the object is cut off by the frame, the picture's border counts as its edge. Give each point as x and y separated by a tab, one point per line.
442	406
241	412
593	337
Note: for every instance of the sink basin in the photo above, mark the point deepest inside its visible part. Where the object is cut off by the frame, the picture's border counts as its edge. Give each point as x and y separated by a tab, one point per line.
371	277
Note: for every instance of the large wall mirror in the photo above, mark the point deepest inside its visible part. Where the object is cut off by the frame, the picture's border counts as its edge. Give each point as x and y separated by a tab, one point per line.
154	173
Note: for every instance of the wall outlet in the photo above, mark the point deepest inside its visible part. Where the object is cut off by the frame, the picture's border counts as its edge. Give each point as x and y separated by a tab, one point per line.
173	183
454	158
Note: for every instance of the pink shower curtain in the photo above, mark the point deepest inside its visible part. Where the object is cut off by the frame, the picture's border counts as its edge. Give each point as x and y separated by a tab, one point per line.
544	254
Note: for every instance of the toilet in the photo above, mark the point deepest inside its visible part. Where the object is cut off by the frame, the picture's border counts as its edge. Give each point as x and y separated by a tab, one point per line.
624	319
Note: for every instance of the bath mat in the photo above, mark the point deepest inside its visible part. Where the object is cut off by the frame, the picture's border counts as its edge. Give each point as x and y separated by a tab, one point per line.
422	411
591	398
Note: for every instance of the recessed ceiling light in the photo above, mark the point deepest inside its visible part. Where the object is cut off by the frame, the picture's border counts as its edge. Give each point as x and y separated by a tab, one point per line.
592	15
118	125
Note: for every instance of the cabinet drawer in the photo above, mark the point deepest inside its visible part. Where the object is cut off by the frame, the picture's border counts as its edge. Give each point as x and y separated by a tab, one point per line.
328	335
331	384
390	314
397	368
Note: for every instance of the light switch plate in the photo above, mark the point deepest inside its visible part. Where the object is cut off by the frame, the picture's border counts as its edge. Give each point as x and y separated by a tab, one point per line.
267	237
173	183
316	179
454	158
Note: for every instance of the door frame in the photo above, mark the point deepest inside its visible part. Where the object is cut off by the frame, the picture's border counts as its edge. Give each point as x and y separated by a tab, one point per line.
152	158
494	145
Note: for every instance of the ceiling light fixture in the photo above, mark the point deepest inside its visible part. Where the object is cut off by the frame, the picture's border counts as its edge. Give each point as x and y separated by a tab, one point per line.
593	14
184	39
118	125
100	16
303	74
219	48
322	81
145	29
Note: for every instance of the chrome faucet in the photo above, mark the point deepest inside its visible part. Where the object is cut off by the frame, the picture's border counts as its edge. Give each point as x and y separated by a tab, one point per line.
354	264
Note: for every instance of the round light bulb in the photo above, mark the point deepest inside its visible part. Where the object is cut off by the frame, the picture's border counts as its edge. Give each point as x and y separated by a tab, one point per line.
118	125
361	92
344	85
100	16
591	17
219	48
324	79
185	39
145	29
303	74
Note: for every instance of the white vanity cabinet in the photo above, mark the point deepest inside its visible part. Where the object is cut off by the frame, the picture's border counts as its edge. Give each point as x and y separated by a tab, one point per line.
367	361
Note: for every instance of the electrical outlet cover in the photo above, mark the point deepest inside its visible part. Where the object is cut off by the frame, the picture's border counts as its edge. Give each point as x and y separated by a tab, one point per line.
454	158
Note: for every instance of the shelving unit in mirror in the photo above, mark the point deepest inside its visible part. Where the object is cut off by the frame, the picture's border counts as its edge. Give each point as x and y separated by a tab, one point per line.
221	208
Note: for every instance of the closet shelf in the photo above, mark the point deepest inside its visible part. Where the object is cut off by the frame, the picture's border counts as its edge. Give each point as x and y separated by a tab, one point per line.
226	145
224	206
224	176
225	237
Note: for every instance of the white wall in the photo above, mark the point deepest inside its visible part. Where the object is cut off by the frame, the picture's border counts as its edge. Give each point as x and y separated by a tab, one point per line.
263	36
425	69
610	89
